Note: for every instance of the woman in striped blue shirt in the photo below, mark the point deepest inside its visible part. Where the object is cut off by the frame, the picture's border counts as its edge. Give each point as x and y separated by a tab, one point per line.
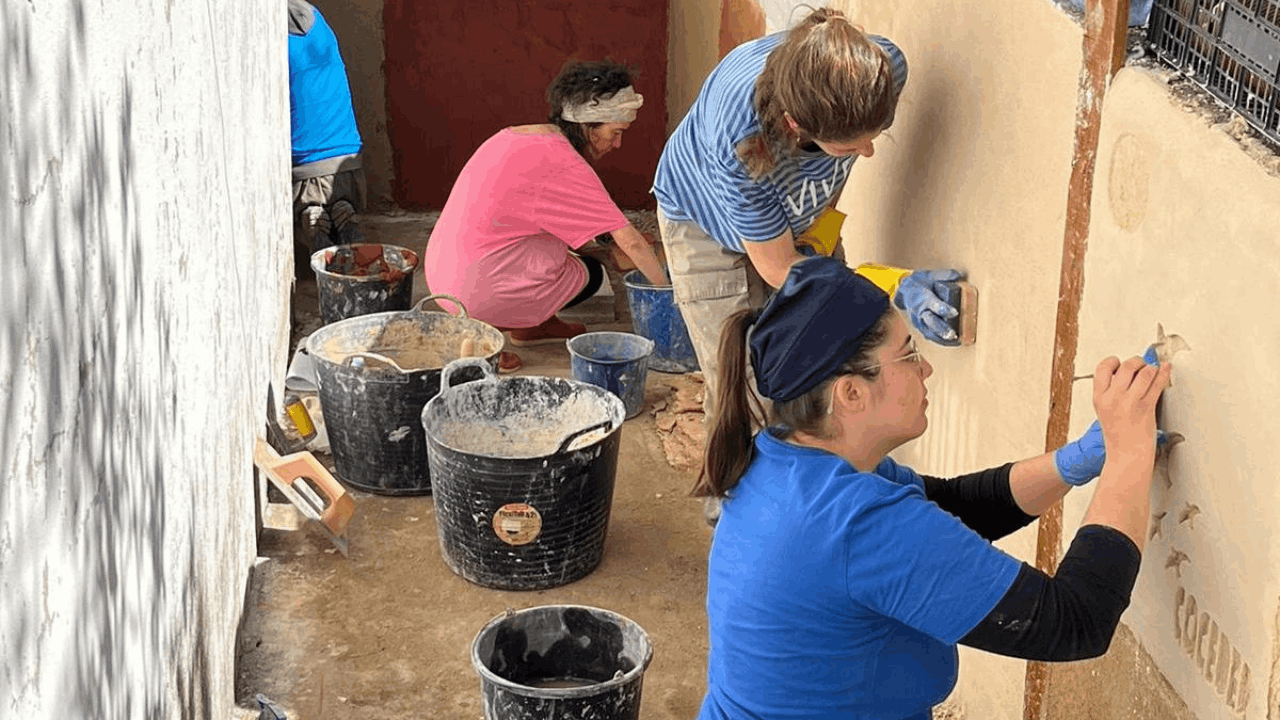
762	153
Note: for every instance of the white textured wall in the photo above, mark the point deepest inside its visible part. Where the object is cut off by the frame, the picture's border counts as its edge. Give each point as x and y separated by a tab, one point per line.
144	277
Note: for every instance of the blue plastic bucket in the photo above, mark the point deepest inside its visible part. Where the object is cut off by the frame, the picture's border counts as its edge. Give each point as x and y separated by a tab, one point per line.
654	315
615	361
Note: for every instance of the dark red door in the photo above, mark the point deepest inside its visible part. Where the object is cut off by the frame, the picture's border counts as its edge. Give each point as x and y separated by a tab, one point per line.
460	70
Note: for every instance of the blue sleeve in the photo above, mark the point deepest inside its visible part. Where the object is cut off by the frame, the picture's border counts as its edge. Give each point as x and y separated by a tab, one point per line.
911	561
759	216
896	58
900	474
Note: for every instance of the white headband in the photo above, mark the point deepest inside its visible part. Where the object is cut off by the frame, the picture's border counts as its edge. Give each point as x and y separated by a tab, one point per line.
619	107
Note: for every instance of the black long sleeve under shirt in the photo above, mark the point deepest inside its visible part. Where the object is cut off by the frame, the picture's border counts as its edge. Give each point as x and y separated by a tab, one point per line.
1070	616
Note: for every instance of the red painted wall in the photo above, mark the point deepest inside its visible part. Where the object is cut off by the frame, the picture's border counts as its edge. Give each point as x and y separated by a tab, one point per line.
460	70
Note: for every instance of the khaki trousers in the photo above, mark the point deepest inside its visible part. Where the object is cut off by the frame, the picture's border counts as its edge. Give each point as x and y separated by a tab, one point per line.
710	284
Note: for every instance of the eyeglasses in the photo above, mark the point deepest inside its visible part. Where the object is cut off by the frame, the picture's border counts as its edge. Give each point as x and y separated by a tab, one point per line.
913	356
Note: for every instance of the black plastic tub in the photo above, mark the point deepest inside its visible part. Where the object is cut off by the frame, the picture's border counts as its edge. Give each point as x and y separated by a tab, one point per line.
363	279
375	373
522	475
561	662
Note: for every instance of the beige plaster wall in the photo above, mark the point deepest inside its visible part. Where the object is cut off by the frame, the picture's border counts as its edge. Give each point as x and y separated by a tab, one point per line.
1184	233
358	26
973	175
692	52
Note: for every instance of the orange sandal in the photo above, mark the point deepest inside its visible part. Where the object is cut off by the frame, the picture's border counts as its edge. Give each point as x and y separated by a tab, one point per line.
509	362
553	330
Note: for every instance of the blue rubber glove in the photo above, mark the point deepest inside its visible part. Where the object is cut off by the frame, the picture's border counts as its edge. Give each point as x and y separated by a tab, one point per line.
920	294
1081	461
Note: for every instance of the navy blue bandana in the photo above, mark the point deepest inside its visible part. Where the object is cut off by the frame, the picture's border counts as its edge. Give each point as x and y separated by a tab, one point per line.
811	326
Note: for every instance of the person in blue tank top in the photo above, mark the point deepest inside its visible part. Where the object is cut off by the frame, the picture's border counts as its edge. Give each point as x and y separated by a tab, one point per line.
840	581
747	183
328	181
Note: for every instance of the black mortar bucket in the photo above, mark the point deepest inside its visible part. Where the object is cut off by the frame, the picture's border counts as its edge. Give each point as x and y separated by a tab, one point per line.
522	475
561	662
362	279
375	373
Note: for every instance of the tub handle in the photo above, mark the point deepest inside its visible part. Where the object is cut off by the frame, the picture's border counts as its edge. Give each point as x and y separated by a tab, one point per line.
465	362
564	446
462	311
382	360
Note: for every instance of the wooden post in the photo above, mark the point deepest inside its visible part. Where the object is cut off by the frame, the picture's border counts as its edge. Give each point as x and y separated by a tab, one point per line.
1105	28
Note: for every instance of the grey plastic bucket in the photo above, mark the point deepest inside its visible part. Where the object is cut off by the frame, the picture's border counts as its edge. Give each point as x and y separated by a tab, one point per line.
561	662
374	375
615	361
362	279
522	475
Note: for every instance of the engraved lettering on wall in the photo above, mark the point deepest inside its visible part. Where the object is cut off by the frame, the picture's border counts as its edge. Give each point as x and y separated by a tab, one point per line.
1214	655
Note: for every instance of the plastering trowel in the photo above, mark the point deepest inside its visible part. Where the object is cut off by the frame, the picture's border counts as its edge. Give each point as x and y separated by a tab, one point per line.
301	478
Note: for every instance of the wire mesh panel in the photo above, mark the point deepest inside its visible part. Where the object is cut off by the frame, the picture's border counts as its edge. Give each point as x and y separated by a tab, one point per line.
1229	47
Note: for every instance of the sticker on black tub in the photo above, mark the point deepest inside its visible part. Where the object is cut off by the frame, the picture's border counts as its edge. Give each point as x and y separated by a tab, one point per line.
517	523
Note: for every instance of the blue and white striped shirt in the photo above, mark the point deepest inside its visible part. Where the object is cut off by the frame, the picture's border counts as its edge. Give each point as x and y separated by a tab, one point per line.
700	177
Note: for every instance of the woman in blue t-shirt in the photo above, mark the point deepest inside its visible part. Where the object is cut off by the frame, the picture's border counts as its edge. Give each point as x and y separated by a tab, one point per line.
840	582
745	182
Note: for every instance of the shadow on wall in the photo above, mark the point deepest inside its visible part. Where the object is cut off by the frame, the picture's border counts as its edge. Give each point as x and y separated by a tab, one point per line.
88	622
917	191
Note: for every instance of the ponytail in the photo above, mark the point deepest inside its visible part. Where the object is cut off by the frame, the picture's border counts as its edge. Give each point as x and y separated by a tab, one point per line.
729	447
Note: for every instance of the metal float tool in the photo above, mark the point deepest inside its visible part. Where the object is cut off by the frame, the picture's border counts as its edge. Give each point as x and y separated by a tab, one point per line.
298	476
289	474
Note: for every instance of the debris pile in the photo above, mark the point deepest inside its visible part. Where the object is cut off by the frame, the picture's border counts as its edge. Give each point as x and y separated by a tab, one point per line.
678	419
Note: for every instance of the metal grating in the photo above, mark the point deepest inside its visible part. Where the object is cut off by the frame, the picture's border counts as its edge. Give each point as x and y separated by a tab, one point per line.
1229	47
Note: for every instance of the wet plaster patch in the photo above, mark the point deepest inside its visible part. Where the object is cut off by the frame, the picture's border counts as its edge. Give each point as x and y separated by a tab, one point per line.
1130	180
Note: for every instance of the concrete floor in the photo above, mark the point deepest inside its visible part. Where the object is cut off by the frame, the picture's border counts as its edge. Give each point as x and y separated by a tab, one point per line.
386	633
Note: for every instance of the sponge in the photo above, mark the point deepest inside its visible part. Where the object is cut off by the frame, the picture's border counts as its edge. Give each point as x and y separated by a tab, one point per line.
963	296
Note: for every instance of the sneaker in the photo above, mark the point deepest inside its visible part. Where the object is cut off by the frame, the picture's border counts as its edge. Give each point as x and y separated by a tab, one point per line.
711	510
552	331
509	362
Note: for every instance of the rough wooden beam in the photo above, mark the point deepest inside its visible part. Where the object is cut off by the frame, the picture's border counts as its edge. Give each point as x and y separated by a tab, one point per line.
1105	27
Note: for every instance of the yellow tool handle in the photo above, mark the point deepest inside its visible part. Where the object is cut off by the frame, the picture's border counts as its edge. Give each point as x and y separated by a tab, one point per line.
823	235
885	277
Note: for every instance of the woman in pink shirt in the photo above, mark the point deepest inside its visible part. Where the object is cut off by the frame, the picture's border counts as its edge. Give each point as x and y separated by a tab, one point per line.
527	200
